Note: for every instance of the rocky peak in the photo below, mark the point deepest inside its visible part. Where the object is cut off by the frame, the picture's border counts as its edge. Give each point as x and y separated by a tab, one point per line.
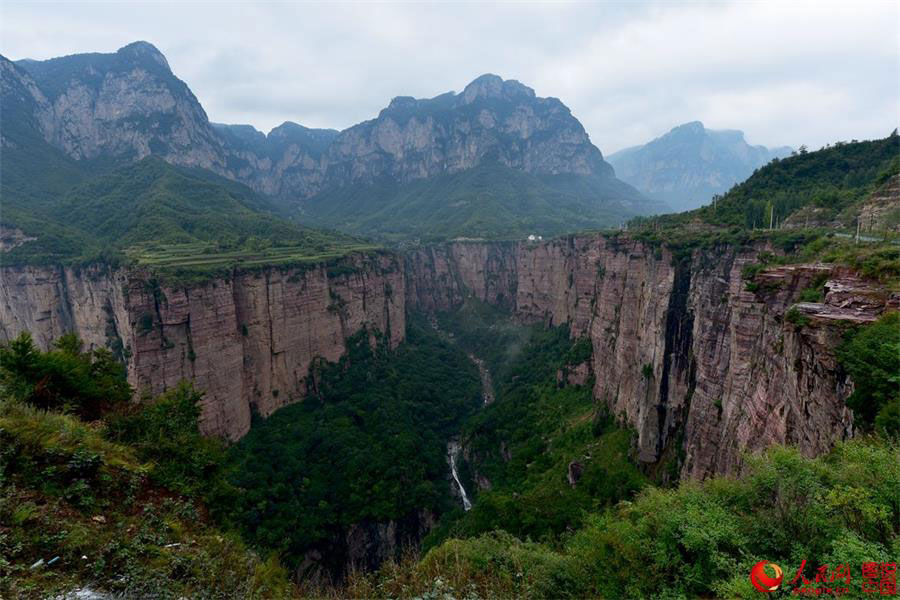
124	104
491	119
24	105
129	104
692	129
144	51
314	141
402	102
241	137
493	86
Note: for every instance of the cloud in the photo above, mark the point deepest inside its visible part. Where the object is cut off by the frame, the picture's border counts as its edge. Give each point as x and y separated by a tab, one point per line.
785	73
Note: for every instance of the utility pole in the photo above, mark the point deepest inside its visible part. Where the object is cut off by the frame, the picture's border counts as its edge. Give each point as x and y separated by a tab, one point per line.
857	229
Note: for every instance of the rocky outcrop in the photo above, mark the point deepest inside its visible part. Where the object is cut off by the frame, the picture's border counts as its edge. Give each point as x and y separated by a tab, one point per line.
364	546
881	211
491	118
129	104
288	163
126	104
808	217
702	368
13	237
248	341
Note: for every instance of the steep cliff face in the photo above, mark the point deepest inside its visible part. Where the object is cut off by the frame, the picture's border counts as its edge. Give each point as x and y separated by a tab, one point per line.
288	163
503	120
248	341
699	366
365	546
126	104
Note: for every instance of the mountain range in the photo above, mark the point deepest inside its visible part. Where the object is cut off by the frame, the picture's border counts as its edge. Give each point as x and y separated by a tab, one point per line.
494	160
690	164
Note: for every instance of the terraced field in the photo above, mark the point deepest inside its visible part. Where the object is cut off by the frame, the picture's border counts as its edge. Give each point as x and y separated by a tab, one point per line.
201	256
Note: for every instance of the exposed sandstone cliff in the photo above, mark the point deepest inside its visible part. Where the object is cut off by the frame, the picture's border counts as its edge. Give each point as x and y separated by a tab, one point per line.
248	341
699	366
881	211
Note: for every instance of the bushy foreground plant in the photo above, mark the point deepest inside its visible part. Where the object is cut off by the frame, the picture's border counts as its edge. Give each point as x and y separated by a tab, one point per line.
114	502
66	378
871	356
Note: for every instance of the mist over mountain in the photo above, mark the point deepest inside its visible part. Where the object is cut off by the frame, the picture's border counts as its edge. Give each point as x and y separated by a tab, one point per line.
126	105
689	164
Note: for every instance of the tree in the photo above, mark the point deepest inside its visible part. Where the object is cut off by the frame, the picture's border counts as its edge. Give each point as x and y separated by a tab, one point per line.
65	378
871	356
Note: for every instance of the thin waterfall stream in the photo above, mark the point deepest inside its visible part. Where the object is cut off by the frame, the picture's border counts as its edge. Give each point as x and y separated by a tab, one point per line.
453	449
487	395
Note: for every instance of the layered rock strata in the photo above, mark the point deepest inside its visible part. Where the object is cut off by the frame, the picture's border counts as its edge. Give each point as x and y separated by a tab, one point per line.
247	341
703	364
700	366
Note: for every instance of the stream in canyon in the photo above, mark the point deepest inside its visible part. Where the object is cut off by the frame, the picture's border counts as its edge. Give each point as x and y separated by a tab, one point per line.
487	396
453	446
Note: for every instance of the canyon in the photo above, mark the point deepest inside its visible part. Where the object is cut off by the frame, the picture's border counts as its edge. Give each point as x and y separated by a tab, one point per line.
702	368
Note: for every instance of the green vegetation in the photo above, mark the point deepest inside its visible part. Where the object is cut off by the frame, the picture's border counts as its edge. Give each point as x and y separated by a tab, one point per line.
879	261
164	433
796	318
530	494
488	332
834	179
153	214
368	444
66	379
489	201
118	501
871	356
132	491
698	540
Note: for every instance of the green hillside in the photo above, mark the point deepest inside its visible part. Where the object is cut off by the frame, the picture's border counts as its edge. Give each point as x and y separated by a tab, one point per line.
153	213
489	201
98	491
835	179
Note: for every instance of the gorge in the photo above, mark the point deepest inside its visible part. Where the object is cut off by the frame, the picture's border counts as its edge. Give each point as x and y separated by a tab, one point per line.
446	352
700	366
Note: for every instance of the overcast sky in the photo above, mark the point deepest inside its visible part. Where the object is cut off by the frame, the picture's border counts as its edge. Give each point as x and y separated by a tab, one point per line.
787	73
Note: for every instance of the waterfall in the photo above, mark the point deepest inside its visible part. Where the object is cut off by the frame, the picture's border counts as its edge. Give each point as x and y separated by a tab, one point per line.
487	396
452	453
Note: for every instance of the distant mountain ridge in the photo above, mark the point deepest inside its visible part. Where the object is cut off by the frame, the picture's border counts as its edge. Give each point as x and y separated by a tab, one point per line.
688	165
124	106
